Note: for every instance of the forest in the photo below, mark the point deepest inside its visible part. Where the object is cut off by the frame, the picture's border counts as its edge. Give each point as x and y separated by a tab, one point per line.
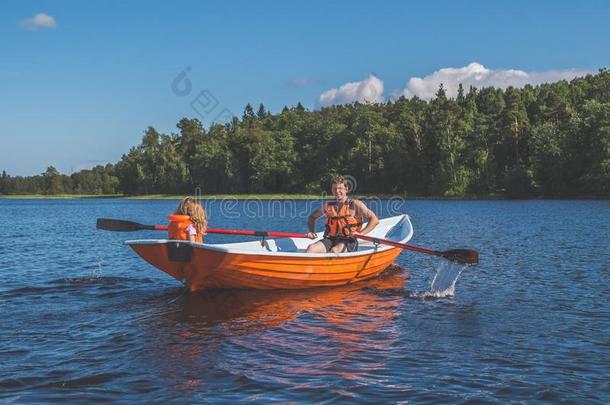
550	140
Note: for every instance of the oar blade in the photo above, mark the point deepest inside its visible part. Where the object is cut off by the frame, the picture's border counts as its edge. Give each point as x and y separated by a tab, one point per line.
464	256
118	225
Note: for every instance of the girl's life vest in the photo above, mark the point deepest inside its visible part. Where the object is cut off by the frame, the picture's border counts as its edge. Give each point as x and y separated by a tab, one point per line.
176	230
341	223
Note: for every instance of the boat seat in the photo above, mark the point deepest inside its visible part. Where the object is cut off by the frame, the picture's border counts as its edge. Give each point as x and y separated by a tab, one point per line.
280	245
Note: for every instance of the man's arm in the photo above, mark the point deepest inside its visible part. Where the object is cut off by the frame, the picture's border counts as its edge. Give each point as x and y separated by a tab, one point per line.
362	210
311	222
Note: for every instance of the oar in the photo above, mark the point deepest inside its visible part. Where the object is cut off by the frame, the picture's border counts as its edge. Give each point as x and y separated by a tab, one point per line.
464	256
119	225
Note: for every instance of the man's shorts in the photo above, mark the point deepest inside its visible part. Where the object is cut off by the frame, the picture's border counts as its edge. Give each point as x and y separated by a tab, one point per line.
351	244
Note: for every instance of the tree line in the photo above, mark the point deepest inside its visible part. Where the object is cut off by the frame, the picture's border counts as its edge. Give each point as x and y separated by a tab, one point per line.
98	181
549	140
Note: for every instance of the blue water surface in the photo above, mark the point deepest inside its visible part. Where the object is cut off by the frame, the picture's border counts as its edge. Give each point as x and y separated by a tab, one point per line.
83	318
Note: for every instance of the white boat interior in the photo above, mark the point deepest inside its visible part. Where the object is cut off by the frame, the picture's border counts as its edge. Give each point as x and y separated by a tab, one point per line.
397	228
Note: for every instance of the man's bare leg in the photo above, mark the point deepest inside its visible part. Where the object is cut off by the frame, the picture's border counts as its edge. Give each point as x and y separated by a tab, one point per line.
338	248
317	247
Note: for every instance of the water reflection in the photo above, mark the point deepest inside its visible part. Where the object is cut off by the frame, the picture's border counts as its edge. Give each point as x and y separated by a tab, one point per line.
247	311
266	336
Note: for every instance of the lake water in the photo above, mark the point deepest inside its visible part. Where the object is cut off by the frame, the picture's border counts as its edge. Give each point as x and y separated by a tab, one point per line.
84	318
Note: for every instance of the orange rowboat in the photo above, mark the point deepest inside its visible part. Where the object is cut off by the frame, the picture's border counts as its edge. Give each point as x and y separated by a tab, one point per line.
273	263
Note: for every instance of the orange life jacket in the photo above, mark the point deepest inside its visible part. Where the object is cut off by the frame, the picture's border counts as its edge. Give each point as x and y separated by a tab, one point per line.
176	230
341	223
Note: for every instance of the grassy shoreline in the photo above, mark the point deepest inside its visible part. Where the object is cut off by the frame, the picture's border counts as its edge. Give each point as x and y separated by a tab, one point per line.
291	197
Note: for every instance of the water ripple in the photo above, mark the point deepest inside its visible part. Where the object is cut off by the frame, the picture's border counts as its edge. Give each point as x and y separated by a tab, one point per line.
85	320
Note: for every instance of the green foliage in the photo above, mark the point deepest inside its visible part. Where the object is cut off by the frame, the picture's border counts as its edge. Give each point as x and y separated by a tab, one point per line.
547	140
99	180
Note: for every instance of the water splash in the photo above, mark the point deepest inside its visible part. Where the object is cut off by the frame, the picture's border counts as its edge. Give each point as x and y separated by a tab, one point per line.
447	274
97	272
444	281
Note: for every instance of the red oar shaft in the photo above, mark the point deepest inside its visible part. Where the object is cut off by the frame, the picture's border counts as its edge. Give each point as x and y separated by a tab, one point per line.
243	232
399	245
256	233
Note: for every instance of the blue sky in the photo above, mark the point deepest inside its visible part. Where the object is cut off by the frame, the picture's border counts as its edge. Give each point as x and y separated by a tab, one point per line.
79	89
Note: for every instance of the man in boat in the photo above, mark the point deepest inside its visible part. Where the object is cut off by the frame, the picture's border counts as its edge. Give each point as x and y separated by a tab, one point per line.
344	217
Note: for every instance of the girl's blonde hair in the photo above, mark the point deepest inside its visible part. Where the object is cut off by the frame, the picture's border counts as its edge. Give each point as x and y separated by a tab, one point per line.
191	207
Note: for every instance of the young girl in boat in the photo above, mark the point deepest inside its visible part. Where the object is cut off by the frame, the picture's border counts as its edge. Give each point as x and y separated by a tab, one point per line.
188	222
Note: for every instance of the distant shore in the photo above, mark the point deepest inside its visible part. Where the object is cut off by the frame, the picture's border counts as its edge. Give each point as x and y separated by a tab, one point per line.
290	197
179	197
164	196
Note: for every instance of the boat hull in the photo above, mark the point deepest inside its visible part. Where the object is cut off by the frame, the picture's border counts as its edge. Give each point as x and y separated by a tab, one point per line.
273	263
214	269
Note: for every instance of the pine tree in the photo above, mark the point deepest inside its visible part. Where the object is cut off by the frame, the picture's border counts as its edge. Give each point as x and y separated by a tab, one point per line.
460	95
248	113
262	113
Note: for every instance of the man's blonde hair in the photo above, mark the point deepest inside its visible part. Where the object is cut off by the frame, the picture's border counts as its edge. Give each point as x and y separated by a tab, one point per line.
338	179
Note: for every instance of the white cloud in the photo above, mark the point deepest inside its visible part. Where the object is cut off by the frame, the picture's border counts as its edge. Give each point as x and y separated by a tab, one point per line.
369	90
40	20
479	76
303	81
